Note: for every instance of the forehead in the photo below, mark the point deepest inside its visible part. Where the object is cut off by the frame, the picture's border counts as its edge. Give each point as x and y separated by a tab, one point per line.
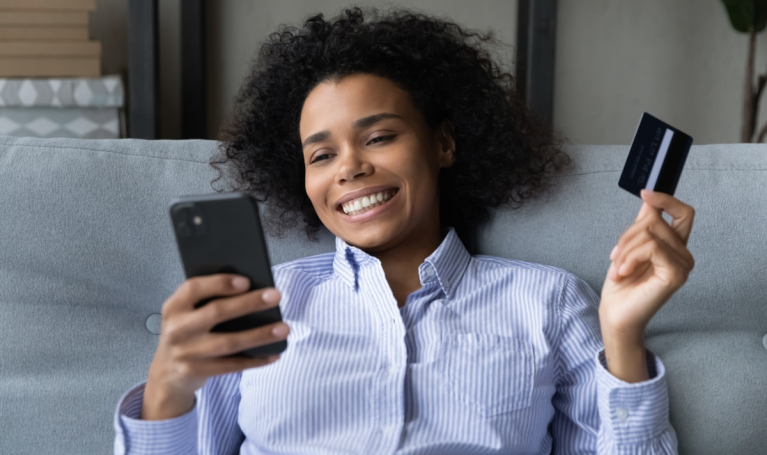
334	104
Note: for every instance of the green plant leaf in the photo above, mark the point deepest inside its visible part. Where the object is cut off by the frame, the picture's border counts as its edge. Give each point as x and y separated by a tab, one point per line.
745	14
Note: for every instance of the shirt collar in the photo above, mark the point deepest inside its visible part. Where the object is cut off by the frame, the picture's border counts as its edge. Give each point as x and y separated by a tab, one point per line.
445	265
348	261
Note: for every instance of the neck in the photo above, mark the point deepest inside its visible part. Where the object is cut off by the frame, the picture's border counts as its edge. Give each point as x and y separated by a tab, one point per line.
400	264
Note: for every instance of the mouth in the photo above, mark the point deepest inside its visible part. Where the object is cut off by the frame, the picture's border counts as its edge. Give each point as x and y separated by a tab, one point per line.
366	203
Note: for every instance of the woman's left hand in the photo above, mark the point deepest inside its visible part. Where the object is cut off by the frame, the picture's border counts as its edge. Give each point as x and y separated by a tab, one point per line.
649	263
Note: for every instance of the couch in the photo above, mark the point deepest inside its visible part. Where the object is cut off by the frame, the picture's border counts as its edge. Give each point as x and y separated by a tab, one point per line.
87	258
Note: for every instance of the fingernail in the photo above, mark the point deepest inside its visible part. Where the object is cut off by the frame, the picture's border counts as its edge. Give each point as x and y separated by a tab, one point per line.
624	268
612	253
240	282
271	296
611	271
280	330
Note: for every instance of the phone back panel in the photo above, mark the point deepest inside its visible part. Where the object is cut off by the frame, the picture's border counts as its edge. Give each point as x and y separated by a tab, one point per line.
221	233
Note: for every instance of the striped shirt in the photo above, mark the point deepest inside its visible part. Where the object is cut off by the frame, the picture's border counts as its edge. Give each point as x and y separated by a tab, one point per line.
490	356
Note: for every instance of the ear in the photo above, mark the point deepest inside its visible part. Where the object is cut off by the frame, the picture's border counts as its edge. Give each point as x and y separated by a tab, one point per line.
446	144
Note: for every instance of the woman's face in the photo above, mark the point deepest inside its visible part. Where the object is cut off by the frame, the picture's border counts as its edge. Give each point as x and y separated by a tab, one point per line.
372	162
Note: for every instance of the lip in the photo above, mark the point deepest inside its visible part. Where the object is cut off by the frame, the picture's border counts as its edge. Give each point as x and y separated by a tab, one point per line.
361	192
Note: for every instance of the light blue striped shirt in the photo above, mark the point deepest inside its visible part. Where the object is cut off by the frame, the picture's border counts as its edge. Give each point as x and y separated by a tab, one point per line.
490	356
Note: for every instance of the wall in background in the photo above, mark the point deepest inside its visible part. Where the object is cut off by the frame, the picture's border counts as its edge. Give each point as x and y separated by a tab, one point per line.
677	59
235	30
680	60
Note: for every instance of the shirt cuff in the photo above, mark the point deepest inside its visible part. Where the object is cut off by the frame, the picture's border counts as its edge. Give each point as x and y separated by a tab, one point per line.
135	436
633	412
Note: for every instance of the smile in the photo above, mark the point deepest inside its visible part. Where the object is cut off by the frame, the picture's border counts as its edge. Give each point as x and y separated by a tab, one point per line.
368	202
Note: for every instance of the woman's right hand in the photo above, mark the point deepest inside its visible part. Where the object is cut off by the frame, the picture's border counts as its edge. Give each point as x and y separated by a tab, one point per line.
188	353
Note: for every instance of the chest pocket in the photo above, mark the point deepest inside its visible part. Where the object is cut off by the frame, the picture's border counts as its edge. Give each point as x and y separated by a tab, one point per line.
492	374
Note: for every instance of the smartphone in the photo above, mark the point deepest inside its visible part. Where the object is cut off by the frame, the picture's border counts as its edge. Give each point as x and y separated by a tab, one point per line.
221	233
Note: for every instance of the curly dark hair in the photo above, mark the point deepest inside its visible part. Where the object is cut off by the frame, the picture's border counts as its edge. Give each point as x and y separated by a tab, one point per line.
503	155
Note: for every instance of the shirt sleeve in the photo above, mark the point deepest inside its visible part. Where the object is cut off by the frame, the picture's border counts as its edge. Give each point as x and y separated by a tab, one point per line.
595	412
209	428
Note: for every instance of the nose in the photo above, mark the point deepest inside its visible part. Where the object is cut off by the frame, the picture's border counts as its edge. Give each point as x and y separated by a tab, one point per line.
353	165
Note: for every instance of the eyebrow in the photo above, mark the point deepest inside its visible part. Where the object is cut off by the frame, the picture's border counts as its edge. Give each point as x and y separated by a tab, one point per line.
316	137
361	123
373	119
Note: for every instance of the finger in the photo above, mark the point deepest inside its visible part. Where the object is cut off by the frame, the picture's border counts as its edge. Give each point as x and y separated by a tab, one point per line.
612	273
224	344
200	288
203	319
667	264
637	242
223	309
647	216
682	214
628	235
655	224
645	210
670	237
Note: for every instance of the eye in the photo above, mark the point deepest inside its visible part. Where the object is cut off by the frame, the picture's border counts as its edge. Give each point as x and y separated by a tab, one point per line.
379	139
322	157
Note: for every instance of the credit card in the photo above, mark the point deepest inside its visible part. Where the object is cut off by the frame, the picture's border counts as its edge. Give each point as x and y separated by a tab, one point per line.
656	158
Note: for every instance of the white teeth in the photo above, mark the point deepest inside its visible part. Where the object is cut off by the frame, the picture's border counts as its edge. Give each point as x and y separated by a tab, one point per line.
365	203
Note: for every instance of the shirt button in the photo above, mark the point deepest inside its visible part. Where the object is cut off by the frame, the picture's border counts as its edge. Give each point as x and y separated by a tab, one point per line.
153	323
429	272
621	413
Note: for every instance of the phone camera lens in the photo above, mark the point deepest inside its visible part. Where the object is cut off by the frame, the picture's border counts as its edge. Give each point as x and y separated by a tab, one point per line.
183	229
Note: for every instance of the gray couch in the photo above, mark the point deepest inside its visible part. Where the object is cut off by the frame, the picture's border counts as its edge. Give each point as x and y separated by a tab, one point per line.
87	258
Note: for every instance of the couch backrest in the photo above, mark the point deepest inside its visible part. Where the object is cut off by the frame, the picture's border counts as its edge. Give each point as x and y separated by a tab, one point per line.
87	258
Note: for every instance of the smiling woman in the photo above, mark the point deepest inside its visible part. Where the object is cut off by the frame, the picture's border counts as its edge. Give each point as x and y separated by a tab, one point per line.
373	141
398	135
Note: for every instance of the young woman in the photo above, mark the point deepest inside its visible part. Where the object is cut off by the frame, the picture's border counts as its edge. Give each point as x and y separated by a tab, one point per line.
397	135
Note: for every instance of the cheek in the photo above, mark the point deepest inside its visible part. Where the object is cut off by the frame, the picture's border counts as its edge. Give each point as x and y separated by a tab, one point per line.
422	175
316	189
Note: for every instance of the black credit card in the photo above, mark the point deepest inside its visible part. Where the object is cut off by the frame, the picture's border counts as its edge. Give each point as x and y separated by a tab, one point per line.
656	158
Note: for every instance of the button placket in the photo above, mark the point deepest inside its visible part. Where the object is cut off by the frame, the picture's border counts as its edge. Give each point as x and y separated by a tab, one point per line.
394	357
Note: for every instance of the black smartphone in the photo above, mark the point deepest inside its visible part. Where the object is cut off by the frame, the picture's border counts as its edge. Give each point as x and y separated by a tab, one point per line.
221	233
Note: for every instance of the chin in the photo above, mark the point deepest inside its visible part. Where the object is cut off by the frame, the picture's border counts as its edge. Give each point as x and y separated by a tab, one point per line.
373	238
